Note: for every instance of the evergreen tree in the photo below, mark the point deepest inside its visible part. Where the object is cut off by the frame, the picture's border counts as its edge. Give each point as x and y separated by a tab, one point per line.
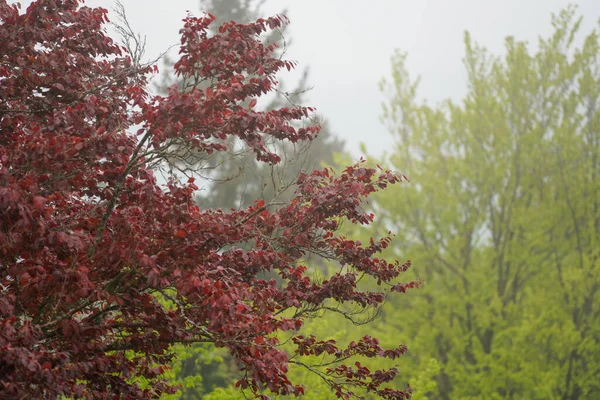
235	179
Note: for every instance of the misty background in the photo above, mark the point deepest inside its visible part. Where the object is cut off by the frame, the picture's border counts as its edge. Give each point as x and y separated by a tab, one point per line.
347	45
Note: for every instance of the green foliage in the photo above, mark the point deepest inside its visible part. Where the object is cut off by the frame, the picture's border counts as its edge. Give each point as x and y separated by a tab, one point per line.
502	217
224	394
424	383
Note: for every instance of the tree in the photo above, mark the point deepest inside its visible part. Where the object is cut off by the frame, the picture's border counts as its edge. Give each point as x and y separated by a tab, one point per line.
103	267
503	215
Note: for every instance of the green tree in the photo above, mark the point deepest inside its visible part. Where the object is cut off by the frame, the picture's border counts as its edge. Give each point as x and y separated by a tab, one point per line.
503	218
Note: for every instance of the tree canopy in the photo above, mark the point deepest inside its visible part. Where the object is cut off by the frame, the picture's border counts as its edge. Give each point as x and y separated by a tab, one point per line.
503	219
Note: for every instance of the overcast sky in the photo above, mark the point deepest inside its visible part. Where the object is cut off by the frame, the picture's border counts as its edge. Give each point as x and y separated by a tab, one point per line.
348	43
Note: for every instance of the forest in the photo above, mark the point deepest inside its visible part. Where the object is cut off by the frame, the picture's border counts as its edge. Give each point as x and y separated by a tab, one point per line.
209	236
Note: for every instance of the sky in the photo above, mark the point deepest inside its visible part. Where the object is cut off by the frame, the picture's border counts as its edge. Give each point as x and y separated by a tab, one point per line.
347	45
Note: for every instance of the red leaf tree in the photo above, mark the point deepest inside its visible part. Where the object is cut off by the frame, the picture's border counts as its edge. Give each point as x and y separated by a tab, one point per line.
103	268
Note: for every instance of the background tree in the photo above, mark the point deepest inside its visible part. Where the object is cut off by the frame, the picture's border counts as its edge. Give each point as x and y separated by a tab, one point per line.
239	180
103	268
503	217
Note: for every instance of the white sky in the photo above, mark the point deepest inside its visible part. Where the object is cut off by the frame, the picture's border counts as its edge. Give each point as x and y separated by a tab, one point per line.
348	43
